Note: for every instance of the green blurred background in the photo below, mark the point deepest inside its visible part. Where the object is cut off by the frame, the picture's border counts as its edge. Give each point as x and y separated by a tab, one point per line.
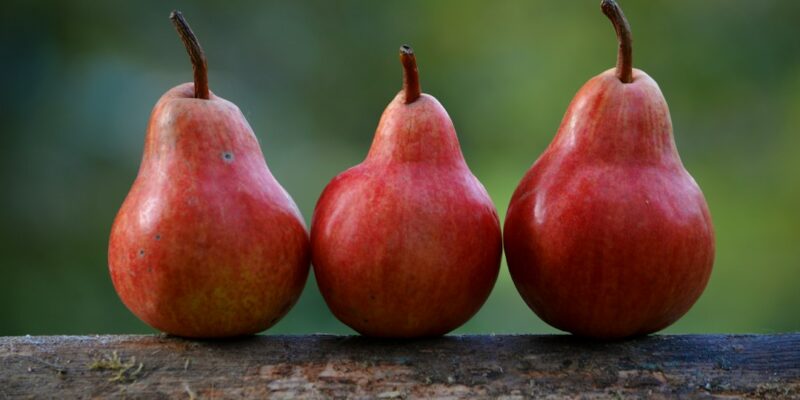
79	79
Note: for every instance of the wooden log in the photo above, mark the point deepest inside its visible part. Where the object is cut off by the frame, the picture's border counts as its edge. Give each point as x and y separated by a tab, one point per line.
323	366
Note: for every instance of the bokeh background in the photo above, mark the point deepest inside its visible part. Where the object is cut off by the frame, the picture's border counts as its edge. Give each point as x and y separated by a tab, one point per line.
79	79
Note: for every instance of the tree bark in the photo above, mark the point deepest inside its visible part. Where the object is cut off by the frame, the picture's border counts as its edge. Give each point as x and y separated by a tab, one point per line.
322	366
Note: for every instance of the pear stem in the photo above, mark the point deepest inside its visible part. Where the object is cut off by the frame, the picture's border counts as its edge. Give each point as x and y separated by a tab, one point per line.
410	74
196	54
625	54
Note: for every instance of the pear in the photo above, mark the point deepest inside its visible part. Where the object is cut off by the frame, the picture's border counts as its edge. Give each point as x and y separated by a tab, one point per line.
607	235
207	244
407	243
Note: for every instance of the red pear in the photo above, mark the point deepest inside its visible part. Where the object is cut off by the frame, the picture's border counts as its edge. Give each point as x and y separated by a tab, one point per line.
407	243
607	235
207	243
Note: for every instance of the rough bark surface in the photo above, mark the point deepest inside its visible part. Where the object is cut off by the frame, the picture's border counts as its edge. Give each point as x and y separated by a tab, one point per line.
321	366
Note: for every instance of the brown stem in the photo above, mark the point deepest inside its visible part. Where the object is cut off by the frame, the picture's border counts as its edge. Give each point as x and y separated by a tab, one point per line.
196	54
410	74
625	54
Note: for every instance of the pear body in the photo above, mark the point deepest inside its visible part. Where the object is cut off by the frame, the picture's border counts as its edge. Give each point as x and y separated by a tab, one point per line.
407	243
607	235
207	243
